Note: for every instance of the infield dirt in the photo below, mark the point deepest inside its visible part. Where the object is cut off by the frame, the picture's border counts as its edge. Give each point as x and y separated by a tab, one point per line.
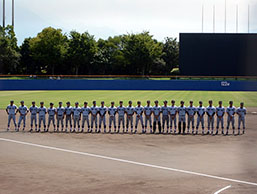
27	169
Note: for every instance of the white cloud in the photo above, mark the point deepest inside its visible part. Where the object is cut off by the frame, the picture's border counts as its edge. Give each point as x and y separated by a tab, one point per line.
111	17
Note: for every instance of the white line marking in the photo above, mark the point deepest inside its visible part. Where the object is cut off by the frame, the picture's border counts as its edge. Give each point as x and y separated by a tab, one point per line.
219	191
130	162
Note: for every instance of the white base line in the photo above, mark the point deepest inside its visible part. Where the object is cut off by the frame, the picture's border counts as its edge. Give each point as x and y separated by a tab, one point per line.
129	162
223	189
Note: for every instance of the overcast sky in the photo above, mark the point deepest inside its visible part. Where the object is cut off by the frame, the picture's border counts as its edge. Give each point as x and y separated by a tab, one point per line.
104	18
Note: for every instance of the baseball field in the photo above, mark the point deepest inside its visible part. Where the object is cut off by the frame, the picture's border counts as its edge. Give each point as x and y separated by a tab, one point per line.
249	98
127	163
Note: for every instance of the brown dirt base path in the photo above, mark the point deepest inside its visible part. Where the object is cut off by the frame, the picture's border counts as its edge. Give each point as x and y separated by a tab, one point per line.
26	169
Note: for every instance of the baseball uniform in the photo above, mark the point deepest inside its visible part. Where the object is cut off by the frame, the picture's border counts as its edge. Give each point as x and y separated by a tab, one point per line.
200	118
85	117
210	110
130	112
148	117
68	119
94	111
231	119
76	117
102	112
11	114
139	112
165	117
220	111
60	116
23	110
156	114
112	112
51	113
42	117
33	116
241	117
173	117
191	110
181	118
121	113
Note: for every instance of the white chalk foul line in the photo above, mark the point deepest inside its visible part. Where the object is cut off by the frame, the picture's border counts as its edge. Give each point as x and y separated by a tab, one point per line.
129	162
223	189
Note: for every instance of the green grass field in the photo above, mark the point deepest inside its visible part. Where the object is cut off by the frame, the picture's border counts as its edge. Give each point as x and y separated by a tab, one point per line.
250	98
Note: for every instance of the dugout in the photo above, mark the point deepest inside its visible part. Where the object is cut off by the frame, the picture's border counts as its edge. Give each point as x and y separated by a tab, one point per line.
218	54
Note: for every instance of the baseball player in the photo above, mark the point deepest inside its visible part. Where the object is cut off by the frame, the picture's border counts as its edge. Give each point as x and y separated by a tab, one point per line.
220	111
139	116
112	110
85	116
51	113
231	110
200	116
121	112
102	113
181	117
148	110
23	110
42	111
60	115
241	112
173	115
165	116
190	111
11	112
210	110
156	114
68	113
76	116
130	112
33	116
94	111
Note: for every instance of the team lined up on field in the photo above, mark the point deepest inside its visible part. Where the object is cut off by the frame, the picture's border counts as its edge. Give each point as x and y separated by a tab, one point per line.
168	113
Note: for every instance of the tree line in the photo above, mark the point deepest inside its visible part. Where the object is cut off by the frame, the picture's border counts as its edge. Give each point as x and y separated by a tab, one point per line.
53	52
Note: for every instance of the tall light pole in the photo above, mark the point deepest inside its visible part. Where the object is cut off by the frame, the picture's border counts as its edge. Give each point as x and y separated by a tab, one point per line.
225	23
248	18
3	13
202	16
213	18
13	13
236	18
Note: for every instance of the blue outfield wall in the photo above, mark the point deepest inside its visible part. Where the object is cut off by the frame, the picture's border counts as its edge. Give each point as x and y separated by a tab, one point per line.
205	85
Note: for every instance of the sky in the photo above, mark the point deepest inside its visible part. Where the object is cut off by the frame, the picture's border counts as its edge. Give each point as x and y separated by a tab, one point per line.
104	18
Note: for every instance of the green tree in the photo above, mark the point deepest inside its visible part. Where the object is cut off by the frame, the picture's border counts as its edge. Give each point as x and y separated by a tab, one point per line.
82	49
9	52
48	49
140	52
110	56
170	54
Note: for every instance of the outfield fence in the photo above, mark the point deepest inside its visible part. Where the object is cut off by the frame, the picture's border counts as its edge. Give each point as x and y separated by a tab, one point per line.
133	84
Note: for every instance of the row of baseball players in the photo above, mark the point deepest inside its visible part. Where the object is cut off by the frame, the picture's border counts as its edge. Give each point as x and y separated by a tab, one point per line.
169	116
